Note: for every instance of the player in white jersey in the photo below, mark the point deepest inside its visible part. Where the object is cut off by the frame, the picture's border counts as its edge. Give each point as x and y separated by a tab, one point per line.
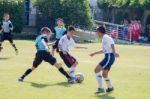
102	69
65	44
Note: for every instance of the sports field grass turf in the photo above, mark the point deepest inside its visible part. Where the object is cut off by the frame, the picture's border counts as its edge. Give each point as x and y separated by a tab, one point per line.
130	74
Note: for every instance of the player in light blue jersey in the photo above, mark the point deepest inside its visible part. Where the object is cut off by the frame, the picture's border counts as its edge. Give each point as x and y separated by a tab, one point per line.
43	54
59	31
6	28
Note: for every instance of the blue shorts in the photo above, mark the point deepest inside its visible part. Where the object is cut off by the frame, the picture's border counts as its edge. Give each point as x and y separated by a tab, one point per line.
108	61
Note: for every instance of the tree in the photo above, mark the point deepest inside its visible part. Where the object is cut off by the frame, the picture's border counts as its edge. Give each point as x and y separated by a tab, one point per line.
77	12
125	3
74	12
15	9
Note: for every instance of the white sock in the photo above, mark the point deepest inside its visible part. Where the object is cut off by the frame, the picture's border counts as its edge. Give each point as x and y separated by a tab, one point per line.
72	71
99	79
108	82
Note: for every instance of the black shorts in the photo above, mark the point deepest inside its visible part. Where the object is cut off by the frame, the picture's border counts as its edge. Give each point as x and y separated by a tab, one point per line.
68	59
55	46
6	36
43	55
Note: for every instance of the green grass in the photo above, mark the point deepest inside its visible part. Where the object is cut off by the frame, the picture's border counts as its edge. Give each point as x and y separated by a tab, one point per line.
130	74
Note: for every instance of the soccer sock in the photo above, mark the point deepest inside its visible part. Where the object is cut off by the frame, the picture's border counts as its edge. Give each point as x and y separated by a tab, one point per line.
0	46
108	82
72	71
99	79
26	73
62	71
14	46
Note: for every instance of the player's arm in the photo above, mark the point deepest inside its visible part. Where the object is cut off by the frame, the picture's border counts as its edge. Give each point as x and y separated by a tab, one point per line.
51	44
80	47
45	45
95	53
114	50
11	26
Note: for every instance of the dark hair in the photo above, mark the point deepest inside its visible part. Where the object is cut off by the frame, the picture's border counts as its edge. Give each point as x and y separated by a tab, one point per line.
101	29
71	28
46	29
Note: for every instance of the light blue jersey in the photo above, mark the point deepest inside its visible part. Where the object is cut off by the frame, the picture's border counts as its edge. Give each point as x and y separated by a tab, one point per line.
38	43
7	25
59	32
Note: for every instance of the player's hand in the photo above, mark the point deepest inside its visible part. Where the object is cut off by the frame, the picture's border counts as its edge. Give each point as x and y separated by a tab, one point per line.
2	27
64	52
47	49
116	55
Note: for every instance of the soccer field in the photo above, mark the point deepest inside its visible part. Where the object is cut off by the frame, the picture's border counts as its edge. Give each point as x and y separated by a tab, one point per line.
130	74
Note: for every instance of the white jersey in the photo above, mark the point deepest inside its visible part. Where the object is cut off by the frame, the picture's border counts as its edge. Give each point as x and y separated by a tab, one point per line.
107	41
66	43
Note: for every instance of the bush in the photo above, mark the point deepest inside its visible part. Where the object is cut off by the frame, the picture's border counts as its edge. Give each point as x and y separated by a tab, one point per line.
15	9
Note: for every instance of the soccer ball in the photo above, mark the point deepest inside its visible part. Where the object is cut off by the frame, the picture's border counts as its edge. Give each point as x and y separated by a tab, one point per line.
79	77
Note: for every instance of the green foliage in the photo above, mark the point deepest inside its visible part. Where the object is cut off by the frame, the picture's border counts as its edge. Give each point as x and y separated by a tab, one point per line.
15	9
74	12
125	3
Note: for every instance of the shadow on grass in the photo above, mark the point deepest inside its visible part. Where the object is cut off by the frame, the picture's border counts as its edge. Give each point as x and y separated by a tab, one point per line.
40	85
5	58
104	96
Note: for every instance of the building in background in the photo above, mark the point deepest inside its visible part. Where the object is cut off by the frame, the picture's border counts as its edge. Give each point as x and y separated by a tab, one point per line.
95	10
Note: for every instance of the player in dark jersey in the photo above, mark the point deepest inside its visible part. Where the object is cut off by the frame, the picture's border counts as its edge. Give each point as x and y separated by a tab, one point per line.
43	54
6	28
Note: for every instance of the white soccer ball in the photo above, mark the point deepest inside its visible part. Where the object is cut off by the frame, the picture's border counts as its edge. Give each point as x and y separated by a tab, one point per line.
79	77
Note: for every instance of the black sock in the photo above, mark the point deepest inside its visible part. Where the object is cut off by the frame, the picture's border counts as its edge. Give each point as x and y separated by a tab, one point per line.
64	72
14	46
26	73
0	45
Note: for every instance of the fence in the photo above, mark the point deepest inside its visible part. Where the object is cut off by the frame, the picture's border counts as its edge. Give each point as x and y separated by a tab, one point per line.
116	31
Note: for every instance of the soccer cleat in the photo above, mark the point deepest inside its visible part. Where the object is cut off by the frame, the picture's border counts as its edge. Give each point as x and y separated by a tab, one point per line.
72	80
109	89
16	52
20	79
100	90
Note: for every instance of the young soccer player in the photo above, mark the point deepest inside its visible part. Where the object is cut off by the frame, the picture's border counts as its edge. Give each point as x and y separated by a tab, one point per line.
59	31
6	28
65	44
43	53
102	69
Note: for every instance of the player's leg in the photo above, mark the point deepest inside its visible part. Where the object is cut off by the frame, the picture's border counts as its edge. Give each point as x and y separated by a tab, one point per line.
106	69
98	72
1	41
37	61
50	59
10	39
1	46
107	80
70	62
62	71
54	48
72	69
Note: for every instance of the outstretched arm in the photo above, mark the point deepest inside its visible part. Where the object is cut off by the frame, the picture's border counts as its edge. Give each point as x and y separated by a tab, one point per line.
80	47
95	53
